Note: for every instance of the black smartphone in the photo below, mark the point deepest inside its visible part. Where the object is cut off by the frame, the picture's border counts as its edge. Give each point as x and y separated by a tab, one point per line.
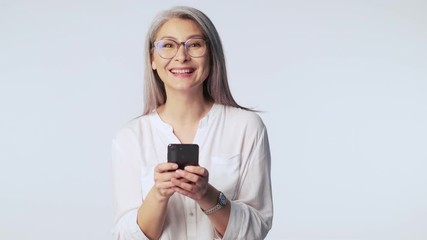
183	154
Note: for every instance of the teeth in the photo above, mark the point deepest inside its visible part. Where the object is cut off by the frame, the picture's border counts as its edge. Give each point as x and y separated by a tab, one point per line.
181	70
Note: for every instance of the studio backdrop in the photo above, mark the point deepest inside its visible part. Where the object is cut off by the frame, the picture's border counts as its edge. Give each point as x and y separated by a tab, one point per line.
341	86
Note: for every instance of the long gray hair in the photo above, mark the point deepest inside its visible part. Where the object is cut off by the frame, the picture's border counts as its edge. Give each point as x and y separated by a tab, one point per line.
215	87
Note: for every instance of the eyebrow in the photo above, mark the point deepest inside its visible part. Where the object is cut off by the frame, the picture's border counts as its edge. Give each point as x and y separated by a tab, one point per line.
191	36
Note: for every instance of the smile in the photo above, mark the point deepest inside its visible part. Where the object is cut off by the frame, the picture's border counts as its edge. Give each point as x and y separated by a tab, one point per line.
182	70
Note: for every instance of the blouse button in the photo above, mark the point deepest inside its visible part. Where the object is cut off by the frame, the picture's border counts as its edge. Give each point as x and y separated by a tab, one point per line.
191	214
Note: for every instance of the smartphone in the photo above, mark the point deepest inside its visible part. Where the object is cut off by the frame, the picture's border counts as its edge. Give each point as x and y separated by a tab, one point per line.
183	154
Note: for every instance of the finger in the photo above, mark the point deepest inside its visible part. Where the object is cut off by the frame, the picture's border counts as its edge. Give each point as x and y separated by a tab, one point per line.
184	180
165	185
184	192
179	177
166	167
192	195
164	177
197	170
189	176
184	185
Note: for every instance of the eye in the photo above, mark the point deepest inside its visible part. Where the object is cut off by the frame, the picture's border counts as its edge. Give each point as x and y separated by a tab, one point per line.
166	44
197	43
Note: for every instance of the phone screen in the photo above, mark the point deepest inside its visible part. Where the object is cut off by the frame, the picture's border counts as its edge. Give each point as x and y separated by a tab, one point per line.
183	154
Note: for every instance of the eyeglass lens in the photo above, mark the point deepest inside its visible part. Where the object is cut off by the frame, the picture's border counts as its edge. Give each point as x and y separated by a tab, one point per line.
167	48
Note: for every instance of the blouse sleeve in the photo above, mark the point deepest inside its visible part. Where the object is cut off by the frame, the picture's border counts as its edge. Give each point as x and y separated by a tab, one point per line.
127	191
252	212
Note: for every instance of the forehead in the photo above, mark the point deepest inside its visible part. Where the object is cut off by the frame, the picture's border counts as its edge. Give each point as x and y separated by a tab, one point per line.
180	29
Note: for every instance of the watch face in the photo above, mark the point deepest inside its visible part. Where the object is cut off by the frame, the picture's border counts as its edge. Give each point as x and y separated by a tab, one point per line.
222	199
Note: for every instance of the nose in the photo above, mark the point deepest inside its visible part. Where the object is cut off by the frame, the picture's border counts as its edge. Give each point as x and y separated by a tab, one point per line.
182	54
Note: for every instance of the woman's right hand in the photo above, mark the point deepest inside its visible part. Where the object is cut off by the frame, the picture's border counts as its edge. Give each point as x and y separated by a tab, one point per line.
163	173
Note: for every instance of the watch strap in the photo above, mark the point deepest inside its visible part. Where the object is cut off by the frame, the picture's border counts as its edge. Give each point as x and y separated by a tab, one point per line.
221	203
213	209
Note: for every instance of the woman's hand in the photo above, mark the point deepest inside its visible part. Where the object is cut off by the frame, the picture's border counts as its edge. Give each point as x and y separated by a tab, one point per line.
163	173
192	182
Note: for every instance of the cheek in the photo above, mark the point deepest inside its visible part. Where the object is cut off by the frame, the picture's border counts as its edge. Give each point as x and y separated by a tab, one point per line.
157	62
207	68
207	71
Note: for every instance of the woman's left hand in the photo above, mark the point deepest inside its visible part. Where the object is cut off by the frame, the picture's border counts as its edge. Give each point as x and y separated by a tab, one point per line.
192	182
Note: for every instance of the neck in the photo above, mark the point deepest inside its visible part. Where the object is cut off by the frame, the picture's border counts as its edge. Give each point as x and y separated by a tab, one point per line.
184	108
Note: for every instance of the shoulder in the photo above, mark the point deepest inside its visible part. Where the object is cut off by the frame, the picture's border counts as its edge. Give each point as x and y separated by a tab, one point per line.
242	117
247	116
132	128
241	126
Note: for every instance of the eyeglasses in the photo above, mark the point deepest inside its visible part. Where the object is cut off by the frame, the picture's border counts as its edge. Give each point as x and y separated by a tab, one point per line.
167	48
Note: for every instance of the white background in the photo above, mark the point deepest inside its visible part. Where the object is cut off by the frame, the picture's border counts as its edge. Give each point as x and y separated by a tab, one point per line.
343	85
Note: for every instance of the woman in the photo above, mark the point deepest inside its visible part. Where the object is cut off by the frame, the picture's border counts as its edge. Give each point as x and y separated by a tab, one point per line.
187	100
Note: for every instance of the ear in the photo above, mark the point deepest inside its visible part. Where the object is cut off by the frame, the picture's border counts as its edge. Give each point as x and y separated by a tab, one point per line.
153	65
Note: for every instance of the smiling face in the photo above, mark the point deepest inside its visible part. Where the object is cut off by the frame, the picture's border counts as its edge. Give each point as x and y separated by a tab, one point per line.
182	72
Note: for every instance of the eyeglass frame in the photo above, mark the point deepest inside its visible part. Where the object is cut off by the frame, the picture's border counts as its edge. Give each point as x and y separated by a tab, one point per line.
179	45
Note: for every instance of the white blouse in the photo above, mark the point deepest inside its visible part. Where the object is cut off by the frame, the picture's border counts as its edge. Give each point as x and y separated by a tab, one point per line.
233	147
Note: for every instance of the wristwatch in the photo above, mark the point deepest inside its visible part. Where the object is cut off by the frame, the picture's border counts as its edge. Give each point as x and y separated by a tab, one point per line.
222	202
